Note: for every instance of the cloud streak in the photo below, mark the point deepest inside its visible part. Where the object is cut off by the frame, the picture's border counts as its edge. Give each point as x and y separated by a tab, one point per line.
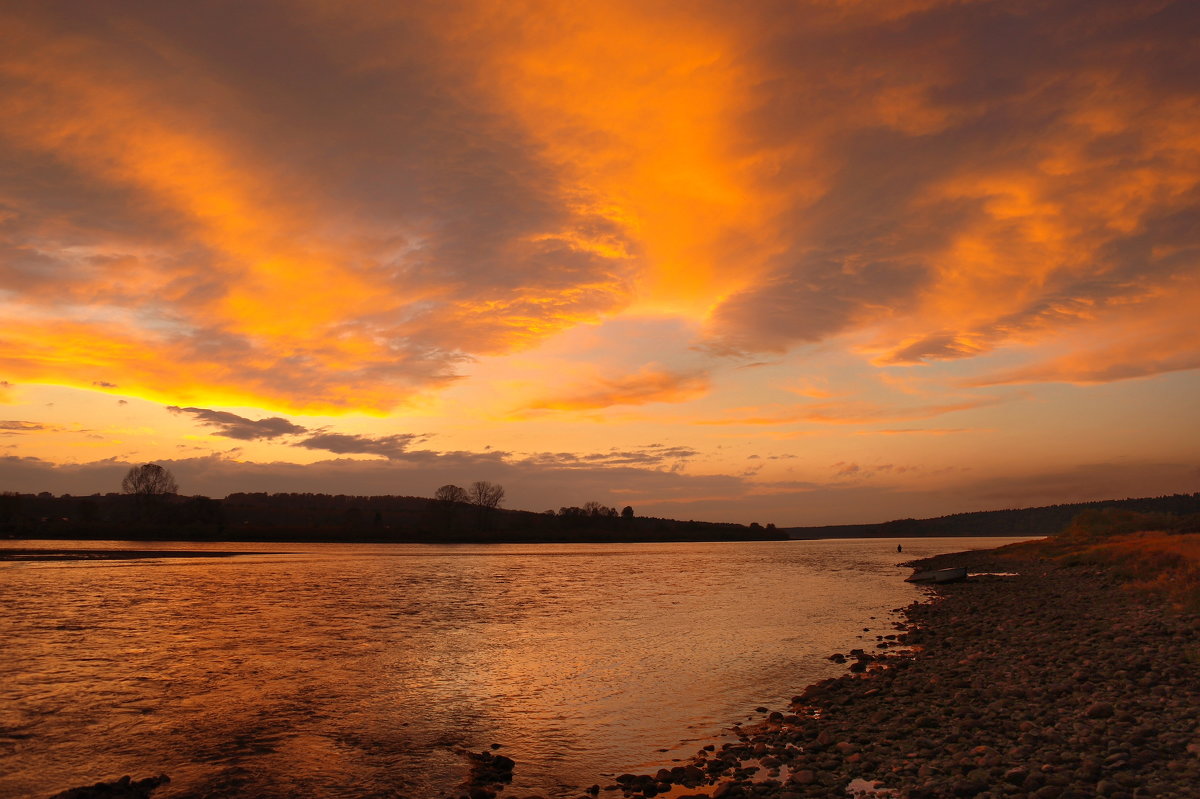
230	425
655	455
650	384
849	412
13	427
392	447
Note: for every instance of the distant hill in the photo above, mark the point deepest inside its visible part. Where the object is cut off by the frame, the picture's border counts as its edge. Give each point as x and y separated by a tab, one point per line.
1042	521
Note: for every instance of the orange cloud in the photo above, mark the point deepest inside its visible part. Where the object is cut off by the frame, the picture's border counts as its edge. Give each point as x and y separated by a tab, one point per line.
331	215
1157	334
850	412
648	143
244	267
981	198
650	384
924	431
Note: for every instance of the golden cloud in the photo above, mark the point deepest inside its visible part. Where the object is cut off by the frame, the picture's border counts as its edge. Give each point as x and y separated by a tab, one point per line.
650	384
332	214
849	412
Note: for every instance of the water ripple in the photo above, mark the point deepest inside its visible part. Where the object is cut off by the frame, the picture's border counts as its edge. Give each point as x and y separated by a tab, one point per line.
356	671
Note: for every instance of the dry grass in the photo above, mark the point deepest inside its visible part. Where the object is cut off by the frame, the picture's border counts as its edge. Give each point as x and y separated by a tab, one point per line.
1152	561
1150	552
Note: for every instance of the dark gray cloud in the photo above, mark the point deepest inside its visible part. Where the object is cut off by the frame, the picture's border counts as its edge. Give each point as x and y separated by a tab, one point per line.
392	447
230	425
654	455
12	427
809	300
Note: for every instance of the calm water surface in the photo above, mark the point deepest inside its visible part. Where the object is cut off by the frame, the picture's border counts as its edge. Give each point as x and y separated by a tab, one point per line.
357	670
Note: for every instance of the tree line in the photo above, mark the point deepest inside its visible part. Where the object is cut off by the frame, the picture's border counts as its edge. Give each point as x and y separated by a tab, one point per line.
149	505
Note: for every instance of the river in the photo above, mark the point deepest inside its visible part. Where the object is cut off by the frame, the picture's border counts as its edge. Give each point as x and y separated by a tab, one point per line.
329	670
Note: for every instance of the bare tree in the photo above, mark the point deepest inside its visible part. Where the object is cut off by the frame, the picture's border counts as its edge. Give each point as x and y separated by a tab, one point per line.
451	493
486	495
149	480
447	501
598	510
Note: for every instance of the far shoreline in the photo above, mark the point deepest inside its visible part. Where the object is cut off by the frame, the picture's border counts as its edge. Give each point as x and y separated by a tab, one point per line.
57	555
501	540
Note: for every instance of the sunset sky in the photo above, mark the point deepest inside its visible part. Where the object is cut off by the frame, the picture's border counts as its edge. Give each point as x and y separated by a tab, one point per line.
793	262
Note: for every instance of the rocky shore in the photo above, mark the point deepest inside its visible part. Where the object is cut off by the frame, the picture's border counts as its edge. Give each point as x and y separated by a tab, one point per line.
1049	682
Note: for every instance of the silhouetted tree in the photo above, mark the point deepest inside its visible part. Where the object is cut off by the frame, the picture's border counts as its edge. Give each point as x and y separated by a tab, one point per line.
627	513
446	502
451	493
486	495
149	480
148	484
598	511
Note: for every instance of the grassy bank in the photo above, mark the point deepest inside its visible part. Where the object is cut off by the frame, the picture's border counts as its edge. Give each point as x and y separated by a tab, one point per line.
1153	552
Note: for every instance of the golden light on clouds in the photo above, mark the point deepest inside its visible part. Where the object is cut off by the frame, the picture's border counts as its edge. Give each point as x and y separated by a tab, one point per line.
649	384
636	107
344	210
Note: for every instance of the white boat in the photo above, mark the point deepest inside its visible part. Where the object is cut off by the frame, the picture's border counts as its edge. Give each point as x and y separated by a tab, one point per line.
951	575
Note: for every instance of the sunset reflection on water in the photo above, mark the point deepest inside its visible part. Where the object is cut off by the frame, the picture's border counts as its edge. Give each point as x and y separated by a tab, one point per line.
357	670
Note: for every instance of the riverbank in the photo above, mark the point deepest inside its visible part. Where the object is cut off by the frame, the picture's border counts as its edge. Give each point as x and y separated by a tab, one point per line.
1036	679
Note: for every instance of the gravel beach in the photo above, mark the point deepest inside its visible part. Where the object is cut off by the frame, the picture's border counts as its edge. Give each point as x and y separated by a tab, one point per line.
1049	682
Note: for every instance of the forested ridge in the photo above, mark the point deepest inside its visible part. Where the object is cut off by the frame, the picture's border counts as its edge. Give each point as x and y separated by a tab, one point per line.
1039	521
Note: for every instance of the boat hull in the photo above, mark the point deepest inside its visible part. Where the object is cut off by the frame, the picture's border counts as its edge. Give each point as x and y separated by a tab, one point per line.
939	576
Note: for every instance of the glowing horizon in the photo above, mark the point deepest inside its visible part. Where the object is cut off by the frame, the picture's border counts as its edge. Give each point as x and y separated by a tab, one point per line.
802	263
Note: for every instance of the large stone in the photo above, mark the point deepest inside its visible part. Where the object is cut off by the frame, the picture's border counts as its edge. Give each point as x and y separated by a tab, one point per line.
124	788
